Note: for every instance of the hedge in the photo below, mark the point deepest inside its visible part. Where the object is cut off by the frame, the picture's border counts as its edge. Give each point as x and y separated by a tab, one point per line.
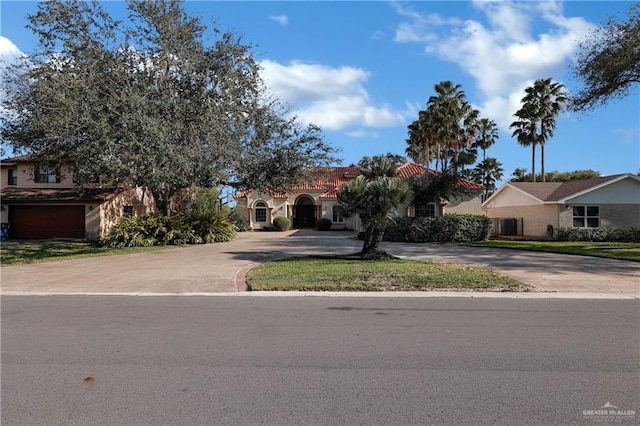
323	224
281	223
156	230
447	228
623	235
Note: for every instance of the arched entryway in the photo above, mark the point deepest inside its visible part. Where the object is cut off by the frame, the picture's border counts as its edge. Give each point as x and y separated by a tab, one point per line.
304	213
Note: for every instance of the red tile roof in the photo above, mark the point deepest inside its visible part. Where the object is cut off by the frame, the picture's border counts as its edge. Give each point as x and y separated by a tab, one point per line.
330	179
412	170
274	194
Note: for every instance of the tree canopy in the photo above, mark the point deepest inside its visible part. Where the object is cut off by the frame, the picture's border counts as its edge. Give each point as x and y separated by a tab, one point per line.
395	159
445	131
522	175
159	100
608	61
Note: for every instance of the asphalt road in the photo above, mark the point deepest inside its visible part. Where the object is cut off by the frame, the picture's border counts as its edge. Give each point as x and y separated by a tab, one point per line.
243	360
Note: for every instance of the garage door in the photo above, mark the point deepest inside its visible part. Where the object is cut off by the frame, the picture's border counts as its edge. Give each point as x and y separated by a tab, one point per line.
46	222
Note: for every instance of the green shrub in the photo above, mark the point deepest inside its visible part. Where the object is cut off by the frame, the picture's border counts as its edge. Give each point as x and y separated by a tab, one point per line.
281	223
445	228
241	222
155	229
323	224
623	235
211	227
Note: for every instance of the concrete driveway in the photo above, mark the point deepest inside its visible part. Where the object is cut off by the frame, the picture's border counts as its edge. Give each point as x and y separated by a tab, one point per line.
215	268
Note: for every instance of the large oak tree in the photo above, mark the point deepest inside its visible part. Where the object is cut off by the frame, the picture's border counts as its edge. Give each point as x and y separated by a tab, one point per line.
157	100
608	61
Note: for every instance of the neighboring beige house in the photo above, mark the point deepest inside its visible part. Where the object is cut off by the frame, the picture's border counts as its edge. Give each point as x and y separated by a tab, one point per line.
305	204
42	202
535	208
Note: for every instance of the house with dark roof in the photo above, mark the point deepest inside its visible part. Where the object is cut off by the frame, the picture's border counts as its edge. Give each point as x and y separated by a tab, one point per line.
39	201
304	204
537	208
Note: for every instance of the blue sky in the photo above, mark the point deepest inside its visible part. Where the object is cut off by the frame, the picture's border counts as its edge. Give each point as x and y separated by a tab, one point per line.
362	70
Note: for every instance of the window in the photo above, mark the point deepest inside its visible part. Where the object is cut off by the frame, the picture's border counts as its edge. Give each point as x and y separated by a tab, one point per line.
586	216
127	211
261	212
338	214
47	174
13	177
425	210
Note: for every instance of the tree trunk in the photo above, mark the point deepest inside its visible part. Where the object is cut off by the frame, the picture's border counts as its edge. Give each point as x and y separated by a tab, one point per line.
533	162
544	179
372	239
163	202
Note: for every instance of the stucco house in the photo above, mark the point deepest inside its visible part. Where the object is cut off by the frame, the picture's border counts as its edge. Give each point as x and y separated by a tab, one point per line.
536	208
305	204
38	201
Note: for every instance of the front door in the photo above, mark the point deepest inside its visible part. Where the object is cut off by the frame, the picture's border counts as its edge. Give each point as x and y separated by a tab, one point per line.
304	213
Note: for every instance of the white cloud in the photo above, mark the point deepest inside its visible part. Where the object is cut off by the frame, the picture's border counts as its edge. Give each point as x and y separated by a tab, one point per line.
333	98
419	27
9	52
281	19
503	54
362	133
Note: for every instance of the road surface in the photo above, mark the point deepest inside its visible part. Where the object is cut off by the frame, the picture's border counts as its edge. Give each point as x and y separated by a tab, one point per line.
318	360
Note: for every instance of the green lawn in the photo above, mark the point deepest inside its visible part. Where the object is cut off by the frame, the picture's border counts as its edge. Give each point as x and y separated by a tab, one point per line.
622	251
15	253
349	273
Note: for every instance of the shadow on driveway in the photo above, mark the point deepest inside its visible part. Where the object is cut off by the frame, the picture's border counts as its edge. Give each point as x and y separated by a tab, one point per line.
213	268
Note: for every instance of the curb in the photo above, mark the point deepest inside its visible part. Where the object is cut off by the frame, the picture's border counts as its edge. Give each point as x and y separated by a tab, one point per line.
240	277
338	295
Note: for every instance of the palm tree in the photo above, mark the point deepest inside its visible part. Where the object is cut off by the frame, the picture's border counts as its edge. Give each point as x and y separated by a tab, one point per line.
487	135
537	117
374	195
551	96
487	173
421	145
453	118
525	132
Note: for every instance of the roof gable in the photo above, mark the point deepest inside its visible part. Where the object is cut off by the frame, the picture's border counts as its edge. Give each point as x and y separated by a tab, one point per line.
542	191
558	192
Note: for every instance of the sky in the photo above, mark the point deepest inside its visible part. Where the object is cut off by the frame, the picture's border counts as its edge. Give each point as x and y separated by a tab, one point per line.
362	70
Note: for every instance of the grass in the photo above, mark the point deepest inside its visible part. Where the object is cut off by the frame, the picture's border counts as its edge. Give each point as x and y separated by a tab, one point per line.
16	253
350	273
621	251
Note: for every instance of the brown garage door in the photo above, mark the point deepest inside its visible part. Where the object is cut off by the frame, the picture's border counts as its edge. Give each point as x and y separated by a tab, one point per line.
46	222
